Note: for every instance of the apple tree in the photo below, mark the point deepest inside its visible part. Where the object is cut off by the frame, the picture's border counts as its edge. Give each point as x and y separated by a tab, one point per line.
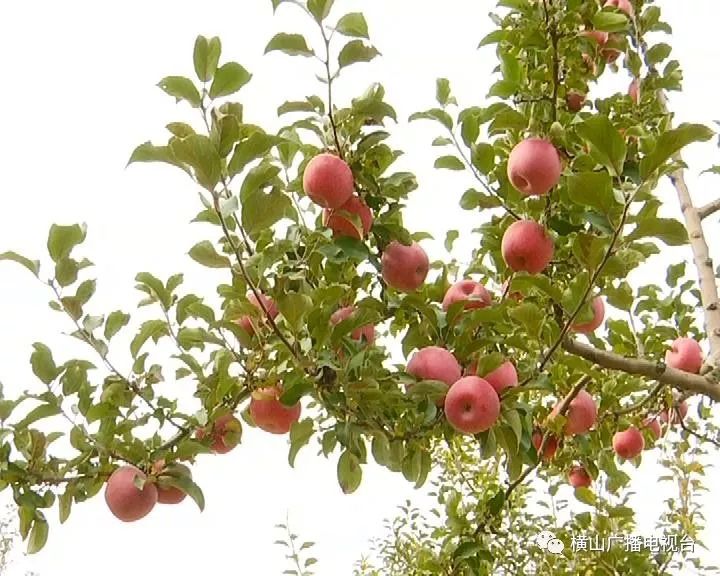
515	382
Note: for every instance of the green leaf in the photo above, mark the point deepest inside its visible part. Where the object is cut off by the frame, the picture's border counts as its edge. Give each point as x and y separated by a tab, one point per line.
672	142
320	9
260	211
609	21
585	495
530	316
483	157
115	322
657	54
65	501
353	25
436	114
66	271
254	147
38	413
594	189
670	231
62	240
32	265
349	472
229	78
199	152
181	88
43	365
206	56
607	146
156	287
149	329
356	51
292	44
185	483
294	307
147	152
38	536
204	253
449	163
300	434
450	238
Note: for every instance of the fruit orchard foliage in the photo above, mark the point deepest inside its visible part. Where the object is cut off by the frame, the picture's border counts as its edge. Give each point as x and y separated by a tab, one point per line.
272	333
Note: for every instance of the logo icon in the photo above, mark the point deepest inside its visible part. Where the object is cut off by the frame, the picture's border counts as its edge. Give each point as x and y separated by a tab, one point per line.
546	541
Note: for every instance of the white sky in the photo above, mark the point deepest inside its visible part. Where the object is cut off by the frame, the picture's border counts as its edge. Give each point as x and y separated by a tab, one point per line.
79	94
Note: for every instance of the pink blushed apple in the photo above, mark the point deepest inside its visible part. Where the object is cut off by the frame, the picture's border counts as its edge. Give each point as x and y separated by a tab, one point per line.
581	414
527	247
598	308
578	477
685	354
366	333
534	167
328	181
341	222
473	293
472	405
269	414
405	267
629	443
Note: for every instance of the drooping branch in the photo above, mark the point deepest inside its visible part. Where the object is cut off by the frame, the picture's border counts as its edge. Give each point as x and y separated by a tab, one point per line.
652	370
701	256
709	209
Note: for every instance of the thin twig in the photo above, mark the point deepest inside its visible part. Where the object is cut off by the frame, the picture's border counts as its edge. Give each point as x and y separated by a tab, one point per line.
709	209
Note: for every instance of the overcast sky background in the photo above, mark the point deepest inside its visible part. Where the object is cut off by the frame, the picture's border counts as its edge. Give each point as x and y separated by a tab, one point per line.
79	94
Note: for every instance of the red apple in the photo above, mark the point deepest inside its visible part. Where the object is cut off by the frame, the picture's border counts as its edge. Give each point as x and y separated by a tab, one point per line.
246	322
168	494
328	181
225	433
340	222
551	445
435	363
366	332
579	478
270	414
473	293
629	443
527	247
685	355
581	414
471	405
622	5
125	500
405	267
534	167
634	91
598	36
652	423
598	308
502	377
575	101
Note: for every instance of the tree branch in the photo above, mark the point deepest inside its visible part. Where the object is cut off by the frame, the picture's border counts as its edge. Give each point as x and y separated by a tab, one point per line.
709	209
701	256
652	370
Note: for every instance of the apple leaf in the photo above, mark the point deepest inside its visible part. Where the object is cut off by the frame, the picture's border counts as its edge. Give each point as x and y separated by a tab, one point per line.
607	146
353	25
206	56
356	51
186	484
349	472
292	44
204	253
181	88
670	143
32	265
38	535
300	434
229	78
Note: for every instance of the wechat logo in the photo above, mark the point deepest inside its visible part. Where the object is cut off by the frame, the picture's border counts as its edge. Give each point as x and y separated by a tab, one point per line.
546	541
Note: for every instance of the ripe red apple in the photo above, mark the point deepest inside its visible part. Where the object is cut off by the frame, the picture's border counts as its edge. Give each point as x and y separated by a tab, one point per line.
598	36
366	332
225	433
551	445
527	247
339	221
473	293
575	101
471	405
628	443
579	477
652	423
435	363
405	267
682	408
581	414
125	500
634	91
270	414
168	494
246	322
502	377
534	167
598	308
685	355
328	181
623	5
